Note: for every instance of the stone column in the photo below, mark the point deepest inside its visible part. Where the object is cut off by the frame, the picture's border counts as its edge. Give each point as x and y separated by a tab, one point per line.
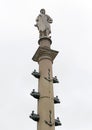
45	56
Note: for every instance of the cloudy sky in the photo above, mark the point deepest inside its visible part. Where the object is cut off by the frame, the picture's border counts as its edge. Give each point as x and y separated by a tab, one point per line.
71	36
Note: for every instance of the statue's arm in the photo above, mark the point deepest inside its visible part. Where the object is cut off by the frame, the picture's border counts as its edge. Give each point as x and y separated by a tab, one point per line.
50	20
37	19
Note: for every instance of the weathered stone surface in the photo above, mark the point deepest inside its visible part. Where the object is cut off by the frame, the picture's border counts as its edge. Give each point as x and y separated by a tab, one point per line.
43	22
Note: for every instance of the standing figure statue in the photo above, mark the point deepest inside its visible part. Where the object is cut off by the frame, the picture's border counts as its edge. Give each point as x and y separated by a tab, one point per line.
43	22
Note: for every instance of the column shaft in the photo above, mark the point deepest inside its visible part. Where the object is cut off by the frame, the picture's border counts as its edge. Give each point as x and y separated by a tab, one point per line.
45	103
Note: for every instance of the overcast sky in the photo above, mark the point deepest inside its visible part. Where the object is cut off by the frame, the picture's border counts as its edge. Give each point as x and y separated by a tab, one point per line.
71	36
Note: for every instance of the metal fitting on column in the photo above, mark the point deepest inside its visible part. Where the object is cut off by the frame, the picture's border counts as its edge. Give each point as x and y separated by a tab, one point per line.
57	122
35	94
36	74
56	100
55	80
34	116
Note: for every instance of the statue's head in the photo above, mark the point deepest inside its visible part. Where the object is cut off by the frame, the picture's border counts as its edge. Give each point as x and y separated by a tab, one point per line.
42	11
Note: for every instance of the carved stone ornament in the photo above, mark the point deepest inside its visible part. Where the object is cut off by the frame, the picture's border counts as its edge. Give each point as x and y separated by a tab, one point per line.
43	53
50	123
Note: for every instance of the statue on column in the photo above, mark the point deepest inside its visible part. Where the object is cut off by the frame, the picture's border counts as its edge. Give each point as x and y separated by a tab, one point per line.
43	22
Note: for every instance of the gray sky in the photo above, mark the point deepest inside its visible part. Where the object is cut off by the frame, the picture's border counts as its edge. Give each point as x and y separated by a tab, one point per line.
71	36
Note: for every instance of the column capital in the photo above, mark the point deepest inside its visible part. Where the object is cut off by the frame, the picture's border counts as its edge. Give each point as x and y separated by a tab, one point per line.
44	53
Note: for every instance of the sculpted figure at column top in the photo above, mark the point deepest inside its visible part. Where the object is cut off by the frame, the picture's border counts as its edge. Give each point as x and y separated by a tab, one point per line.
43	22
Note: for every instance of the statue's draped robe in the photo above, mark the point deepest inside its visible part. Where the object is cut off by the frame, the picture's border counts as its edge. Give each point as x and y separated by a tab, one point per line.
43	23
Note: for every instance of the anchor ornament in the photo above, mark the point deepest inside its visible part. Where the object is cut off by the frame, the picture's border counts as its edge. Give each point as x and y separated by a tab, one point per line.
50	122
54	79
